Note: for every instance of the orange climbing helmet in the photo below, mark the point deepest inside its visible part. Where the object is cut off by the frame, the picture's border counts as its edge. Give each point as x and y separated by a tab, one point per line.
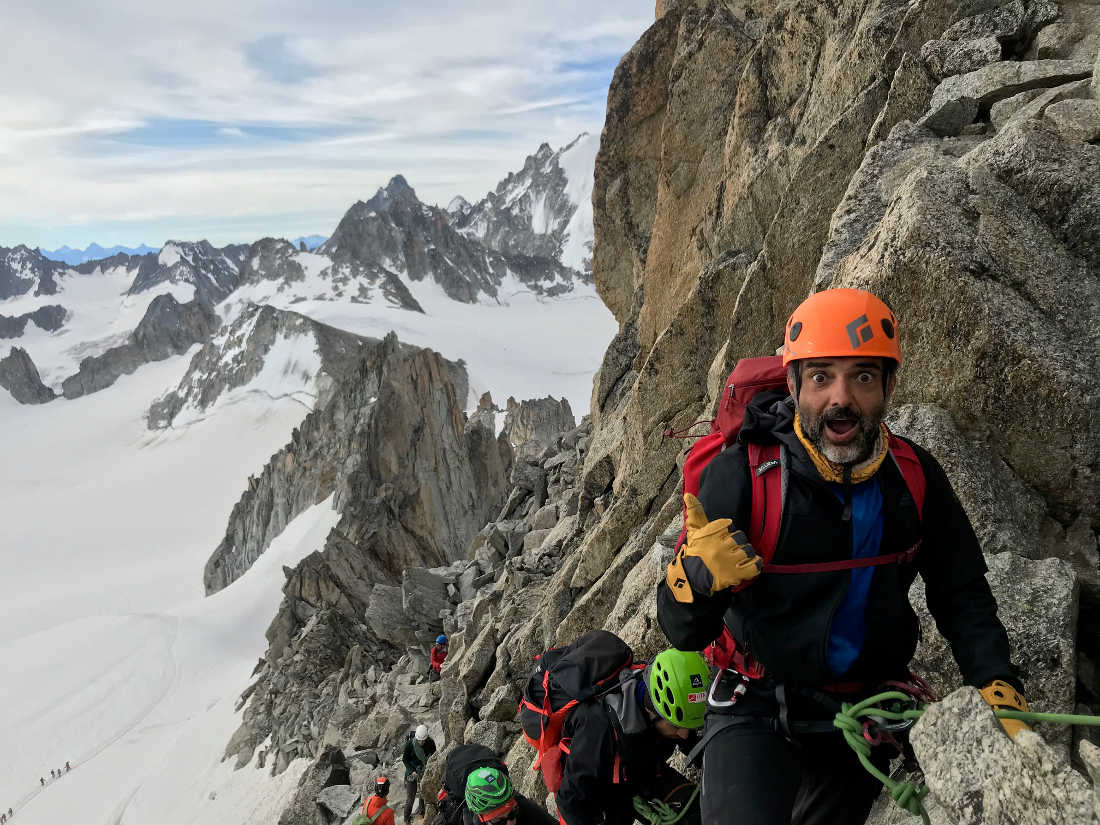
839	323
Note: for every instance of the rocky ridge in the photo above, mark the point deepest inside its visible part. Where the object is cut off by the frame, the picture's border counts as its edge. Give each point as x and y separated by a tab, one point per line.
168	328
372	676
346	664
49	318
266	350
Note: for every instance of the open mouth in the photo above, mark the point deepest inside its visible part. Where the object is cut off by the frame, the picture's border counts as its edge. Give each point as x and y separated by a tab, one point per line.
841	430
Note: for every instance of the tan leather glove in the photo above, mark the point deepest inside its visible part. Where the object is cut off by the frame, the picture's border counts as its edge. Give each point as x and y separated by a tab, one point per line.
1002	696
711	557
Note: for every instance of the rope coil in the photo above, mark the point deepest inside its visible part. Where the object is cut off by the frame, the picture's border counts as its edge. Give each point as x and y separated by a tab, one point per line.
853	719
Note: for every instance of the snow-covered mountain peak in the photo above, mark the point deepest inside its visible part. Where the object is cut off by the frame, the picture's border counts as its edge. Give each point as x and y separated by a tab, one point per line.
545	209
458	206
213	272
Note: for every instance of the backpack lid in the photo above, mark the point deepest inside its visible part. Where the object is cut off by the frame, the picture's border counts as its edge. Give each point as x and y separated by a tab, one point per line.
589	665
463	761
749	377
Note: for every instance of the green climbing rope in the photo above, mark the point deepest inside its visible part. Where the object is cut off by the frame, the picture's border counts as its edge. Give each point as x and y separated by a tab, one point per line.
658	812
910	795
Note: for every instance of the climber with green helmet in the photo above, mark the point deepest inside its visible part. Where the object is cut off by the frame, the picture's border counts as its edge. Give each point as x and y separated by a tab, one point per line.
491	800
617	748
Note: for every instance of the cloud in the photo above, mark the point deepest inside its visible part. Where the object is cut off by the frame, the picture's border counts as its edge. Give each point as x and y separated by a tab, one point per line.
268	121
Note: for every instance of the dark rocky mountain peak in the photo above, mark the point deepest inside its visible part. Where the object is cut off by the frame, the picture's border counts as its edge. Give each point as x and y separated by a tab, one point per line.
395	233
19	376
24	270
213	272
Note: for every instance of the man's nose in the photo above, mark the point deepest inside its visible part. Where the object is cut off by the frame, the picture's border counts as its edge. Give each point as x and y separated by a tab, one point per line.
840	394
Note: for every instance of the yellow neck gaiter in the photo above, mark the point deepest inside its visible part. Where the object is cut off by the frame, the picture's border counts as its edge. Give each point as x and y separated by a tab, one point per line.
835	472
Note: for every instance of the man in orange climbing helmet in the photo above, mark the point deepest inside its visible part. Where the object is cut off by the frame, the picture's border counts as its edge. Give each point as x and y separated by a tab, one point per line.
799	552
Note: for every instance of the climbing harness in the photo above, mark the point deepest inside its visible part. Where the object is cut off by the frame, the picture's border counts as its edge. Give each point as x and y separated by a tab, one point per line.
868	723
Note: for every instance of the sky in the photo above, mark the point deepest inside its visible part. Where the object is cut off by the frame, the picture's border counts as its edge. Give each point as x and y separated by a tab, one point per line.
127	122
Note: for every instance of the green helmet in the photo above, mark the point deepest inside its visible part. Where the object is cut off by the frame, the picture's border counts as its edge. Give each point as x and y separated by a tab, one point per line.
486	789
678	681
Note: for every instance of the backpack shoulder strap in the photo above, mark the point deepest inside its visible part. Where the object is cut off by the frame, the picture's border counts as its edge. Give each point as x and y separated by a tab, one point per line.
374	817
911	470
767	497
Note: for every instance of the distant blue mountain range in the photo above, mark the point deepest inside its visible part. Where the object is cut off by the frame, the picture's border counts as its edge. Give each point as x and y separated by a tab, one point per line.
94	252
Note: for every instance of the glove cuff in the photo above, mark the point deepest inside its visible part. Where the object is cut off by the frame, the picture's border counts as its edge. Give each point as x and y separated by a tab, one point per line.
1001	695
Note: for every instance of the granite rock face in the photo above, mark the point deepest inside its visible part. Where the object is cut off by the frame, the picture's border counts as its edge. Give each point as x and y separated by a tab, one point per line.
415	500
19	376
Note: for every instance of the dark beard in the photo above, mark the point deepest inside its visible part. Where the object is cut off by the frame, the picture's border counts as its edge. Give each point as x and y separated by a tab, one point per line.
813	426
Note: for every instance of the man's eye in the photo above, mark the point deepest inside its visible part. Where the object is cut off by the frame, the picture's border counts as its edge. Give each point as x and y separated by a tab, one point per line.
818	378
865	378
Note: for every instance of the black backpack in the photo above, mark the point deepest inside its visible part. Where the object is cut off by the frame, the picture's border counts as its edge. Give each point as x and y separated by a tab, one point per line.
564	678
461	762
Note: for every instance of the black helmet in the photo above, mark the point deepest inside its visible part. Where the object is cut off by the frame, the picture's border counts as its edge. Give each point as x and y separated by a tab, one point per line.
382	786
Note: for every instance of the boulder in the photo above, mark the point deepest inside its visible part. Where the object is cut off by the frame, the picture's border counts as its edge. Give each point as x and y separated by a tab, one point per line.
545	517
1075	120
1037	603
385	615
1001	112
998	81
981	776
337	802
423	598
945	58
491	735
329	770
501	705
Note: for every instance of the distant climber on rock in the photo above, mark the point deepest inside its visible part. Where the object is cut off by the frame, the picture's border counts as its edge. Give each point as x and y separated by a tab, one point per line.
605	728
437	657
376	809
811	522
68	767
418	748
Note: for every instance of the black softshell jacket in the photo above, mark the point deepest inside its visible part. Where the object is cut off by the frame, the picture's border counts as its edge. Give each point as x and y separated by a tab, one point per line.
784	619
589	793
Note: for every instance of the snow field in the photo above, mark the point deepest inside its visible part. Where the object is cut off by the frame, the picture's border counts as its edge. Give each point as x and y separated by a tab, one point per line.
114	660
100	316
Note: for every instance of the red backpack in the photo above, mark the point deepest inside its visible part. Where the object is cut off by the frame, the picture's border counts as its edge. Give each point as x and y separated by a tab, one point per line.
749	377
563	678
